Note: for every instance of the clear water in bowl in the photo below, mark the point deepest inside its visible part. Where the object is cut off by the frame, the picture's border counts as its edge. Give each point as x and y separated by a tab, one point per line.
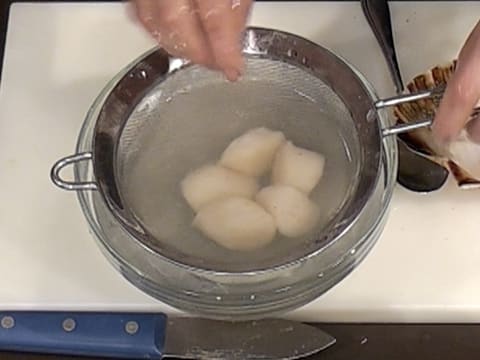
188	120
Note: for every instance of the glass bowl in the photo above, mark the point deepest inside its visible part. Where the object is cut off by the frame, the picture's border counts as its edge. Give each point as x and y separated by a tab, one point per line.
243	295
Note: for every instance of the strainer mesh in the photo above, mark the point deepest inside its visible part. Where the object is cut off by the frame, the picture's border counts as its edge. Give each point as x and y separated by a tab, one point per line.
188	119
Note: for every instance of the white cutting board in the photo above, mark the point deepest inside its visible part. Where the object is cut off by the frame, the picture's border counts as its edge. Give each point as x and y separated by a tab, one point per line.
425	267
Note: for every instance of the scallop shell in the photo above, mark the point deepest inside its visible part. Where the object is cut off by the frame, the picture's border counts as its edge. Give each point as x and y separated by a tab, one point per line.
462	157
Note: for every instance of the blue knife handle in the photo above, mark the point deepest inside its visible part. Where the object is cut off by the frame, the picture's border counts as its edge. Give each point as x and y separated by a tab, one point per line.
118	335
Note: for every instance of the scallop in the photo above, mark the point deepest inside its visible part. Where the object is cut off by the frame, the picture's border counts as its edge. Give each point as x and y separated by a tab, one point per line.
236	223
252	153
294	213
462	157
297	167
212	182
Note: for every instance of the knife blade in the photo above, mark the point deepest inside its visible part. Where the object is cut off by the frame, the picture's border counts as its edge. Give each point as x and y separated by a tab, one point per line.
156	336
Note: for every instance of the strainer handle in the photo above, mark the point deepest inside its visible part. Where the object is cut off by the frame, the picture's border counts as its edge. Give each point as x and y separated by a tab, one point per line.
400	99
403	98
403	128
71	185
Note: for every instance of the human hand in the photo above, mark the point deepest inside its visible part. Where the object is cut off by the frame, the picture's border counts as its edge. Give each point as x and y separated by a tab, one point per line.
207	32
461	95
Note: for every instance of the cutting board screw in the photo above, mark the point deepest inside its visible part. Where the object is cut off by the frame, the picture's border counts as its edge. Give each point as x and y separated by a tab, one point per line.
7	322
69	325
131	327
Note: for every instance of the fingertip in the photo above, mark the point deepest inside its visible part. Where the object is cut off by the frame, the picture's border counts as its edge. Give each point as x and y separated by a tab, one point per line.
230	60
219	22
226	52
231	74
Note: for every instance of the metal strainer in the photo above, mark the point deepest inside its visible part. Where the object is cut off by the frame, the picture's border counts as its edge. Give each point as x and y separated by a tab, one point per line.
166	117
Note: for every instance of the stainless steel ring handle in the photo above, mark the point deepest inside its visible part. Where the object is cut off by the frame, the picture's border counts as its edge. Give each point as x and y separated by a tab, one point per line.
71	185
403	128
400	99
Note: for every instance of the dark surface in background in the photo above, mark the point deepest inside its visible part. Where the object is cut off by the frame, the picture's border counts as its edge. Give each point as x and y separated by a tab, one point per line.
354	341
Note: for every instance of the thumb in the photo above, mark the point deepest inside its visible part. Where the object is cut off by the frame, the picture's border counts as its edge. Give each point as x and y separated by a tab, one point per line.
462	92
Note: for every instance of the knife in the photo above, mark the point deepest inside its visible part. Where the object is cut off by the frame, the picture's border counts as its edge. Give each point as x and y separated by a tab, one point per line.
156	336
